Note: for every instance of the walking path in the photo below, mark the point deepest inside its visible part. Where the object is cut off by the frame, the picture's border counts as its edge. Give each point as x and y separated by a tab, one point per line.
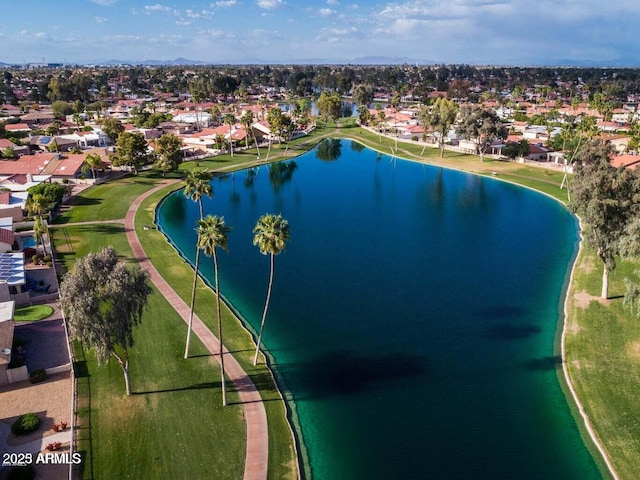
257	452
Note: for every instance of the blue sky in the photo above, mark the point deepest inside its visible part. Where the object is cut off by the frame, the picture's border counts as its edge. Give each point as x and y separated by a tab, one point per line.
499	32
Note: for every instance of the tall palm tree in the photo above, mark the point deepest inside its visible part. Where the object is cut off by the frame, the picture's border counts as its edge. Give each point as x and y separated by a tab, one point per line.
270	235
212	233
230	119
39	230
37	204
196	185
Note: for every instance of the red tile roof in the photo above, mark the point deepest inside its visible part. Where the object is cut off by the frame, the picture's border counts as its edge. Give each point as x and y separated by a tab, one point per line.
6	235
627	161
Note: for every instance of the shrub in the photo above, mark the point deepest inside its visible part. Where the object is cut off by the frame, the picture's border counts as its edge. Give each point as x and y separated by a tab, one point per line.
53	446
38	376
27	423
65	181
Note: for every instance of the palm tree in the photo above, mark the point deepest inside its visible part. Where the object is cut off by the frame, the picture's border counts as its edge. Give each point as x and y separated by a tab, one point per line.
270	235
212	233
39	230
195	186
93	161
230	119
36	204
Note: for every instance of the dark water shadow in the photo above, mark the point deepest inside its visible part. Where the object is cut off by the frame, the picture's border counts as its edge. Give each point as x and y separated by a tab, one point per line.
506	331
500	312
543	364
341	373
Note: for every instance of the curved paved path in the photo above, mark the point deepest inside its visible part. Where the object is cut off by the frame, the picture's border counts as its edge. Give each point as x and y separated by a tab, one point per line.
257	453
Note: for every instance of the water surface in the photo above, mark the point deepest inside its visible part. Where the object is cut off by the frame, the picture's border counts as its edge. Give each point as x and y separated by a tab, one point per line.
413	314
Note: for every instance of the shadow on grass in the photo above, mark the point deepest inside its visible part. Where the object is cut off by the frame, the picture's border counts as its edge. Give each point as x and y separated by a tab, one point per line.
196	386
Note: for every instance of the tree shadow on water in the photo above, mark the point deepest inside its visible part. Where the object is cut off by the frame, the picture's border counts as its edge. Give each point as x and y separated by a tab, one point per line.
506	331
341	373
543	364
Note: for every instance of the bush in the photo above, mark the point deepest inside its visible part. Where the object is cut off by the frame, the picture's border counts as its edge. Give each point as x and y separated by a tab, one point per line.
38	376
27	423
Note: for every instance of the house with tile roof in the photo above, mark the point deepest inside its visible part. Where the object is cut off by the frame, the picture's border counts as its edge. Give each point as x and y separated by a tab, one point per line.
626	161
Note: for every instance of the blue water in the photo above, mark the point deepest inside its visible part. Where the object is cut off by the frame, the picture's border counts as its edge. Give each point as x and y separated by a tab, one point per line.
413	314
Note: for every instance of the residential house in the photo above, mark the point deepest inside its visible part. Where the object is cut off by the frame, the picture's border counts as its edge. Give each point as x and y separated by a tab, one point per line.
7	326
17	149
626	161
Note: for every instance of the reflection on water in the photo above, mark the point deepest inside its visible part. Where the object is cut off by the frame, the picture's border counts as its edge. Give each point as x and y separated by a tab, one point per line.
329	150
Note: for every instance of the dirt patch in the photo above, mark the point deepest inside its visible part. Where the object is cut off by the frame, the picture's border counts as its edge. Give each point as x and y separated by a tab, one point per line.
583	299
634	350
51	399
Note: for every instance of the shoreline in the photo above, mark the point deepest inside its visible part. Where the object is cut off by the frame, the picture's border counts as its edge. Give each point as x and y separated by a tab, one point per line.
565	379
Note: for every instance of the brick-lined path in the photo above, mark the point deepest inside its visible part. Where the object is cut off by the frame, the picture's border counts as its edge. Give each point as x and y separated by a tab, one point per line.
256	459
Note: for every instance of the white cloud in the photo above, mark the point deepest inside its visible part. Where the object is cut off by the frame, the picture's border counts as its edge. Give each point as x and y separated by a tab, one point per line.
225	3
104	3
183	23
326	12
100	19
160	8
270	4
218	34
333	2
206	14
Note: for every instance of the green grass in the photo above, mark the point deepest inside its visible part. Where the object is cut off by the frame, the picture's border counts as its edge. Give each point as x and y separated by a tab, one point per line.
236	338
603	358
32	313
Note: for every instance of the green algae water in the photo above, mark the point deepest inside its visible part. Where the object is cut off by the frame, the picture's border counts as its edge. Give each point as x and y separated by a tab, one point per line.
413	314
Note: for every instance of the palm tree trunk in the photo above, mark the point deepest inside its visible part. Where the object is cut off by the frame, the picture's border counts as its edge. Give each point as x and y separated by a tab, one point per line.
221	353
264	313
193	289
193	302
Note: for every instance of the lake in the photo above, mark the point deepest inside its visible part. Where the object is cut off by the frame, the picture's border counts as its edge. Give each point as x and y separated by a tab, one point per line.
413	316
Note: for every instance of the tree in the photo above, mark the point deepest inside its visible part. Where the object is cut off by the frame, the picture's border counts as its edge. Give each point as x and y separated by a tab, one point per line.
603	198
230	119
61	109
8	153
440	117
197	184
131	150
328	106
37	204
93	161
40	229
104	300
270	235
363	95
246	121
112	127
212	233
481	126
168	153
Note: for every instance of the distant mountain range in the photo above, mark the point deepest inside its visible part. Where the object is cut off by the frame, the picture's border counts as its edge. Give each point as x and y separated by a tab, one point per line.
368	60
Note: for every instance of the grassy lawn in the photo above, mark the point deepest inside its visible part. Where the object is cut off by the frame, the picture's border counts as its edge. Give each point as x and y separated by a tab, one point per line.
32	313
236	339
603	359
165	430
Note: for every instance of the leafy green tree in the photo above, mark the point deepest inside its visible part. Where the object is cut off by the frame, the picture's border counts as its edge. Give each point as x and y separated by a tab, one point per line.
112	127
481	126
168	153
603	198
61	109
104	300
440	117
364	115
131	150
329	106
196	185
51	192
37	204
363	94
270	235
8	153
213	233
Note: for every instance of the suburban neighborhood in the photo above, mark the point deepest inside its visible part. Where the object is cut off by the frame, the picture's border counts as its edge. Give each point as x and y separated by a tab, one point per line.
133	132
